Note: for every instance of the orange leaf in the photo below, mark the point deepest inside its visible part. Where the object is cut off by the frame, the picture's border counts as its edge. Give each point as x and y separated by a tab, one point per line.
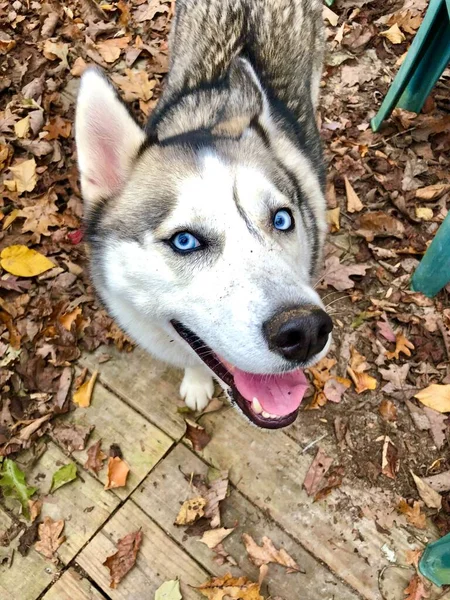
413	514
67	319
362	381
58	127
416	589
82	397
401	345
117	473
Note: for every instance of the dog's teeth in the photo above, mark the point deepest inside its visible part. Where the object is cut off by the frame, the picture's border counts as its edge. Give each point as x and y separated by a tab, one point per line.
266	415
256	406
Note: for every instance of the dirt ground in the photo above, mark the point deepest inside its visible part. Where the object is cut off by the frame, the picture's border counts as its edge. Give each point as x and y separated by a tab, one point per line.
387	194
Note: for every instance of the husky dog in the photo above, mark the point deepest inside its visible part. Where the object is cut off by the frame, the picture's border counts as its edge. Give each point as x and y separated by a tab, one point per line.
206	228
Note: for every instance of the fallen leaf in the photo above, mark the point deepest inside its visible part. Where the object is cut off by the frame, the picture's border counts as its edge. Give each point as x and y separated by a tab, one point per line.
58	127
110	49
120	563
388	410
333	219
267	553
424	213
362	381
28	538
221	588
169	590
72	437
432	192
338	276
67	319
22	127
35	507
95	458
24	262
213	493
213	537
197	435
135	85
379	224
412	557
386	330
50	538
316	472
413	514
64	475
24	174
390	463
13	484
394	34
440	482
438	426
402	345
117	473
354	204
416	589
55	51
190	511
431	498
335	387
78	67
435	396
333	479
330	16
82	397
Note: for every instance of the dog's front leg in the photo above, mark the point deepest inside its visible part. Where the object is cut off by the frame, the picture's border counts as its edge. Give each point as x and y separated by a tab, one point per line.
197	387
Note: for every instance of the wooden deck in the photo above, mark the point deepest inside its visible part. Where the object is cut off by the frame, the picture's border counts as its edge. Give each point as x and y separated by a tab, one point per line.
342	553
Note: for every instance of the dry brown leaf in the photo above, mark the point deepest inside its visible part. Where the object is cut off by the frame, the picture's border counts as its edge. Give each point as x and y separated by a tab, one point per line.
50	538
338	276
394	34
67	319
432	192
379	224
72	437
214	537
95	457
35	507
354	204
24	174
431	498
267	553
82	397
390	463
333	219
335	388
58	127
135	85
362	381
388	410
330	16
416	589
110	49
229	587
413	514
316	472
197	435
78	67
402	345
120	563
117	473
55	51
190	511
435	396
412	557
438	426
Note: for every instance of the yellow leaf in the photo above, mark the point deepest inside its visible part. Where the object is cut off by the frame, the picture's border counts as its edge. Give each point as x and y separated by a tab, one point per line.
191	511
394	34
435	396
362	381
354	204
333	219
11	218
10	184
24	262
24	175
22	127
423	213
82	397
239	588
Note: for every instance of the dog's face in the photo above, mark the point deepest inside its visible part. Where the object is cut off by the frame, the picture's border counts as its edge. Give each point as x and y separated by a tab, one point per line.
206	241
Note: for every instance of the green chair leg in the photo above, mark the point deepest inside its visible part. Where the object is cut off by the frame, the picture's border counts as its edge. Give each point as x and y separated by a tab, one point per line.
433	273
425	62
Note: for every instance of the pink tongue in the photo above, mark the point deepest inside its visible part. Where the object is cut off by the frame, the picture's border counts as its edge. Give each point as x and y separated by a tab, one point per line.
277	394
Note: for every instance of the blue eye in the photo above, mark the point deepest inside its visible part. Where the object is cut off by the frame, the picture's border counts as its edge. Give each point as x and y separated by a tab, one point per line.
184	242
283	220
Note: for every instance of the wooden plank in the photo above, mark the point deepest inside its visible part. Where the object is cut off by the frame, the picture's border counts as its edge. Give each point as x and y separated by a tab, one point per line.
159	558
149	386
269	469
28	576
83	504
160	496
73	586
142	443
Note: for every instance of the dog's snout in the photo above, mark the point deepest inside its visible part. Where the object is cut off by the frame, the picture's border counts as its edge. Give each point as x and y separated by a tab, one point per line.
298	333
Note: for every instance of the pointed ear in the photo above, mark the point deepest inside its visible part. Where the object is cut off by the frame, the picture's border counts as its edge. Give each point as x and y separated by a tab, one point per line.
107	138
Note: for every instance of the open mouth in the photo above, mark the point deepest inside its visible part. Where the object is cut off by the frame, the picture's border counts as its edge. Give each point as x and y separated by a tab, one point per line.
269	401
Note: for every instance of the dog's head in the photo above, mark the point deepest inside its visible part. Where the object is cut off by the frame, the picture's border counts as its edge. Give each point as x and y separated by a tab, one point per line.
212	235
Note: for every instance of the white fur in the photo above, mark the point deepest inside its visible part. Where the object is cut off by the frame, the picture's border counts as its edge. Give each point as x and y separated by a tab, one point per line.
197	388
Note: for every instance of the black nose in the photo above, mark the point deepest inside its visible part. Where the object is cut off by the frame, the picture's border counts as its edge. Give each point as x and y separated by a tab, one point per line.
298	333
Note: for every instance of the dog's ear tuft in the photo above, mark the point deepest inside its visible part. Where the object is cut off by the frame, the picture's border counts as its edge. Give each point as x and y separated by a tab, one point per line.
107	138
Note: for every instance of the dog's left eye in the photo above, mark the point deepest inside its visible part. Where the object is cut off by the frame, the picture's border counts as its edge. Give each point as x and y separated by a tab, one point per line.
283	220
184	242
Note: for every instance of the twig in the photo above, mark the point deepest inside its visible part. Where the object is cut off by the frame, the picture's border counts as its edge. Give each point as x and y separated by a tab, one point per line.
443	331
382	572
313	443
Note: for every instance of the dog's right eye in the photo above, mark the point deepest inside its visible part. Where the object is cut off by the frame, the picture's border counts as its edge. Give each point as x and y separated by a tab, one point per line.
184	242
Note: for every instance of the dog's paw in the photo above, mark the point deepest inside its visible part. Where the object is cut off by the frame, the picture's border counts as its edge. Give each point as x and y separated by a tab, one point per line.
197	388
